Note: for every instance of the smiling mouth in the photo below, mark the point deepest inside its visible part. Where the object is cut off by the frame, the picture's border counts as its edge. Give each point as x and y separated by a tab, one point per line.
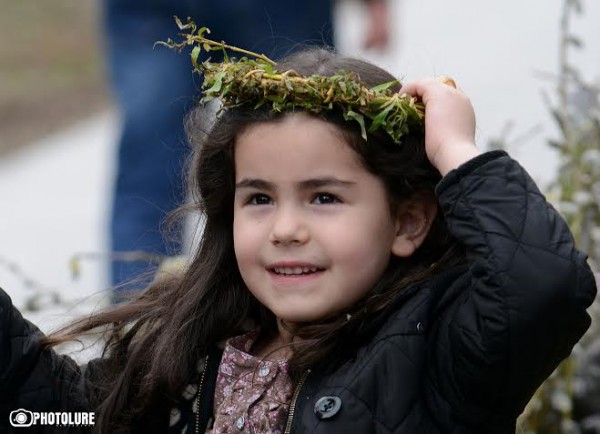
295	271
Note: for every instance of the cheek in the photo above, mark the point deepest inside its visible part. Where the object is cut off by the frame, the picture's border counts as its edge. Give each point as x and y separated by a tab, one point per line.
246	241
361	246
240	241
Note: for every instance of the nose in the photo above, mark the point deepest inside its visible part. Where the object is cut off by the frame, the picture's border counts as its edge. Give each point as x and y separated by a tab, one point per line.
288	227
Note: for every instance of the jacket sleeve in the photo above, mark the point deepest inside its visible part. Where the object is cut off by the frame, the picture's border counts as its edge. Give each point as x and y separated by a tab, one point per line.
33	379
520	308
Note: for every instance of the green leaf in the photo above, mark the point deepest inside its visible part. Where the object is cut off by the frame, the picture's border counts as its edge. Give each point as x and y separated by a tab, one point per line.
216	87
202	31
380	118
384	86
194	54
352	115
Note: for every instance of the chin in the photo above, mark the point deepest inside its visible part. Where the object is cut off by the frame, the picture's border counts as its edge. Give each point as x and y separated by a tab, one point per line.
302	317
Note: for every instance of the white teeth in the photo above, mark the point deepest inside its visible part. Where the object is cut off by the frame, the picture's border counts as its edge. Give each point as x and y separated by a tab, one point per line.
295	270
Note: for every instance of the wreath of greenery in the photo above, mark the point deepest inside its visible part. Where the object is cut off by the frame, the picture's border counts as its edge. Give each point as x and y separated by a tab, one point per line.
254	79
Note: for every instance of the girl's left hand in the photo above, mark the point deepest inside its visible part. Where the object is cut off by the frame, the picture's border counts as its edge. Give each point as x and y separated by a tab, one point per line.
449	123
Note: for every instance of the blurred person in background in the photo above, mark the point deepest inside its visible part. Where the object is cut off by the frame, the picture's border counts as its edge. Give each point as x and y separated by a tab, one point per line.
154	87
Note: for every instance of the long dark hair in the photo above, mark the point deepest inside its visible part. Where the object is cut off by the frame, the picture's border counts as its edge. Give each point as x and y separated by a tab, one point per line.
155	340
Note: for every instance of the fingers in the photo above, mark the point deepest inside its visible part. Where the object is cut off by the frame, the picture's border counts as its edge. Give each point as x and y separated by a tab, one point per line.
424	88
449	121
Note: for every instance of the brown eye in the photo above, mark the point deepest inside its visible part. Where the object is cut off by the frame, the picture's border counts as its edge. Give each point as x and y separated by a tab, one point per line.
326	198
259	199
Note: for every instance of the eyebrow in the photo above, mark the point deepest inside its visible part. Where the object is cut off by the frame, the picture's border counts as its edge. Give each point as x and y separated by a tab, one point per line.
308	184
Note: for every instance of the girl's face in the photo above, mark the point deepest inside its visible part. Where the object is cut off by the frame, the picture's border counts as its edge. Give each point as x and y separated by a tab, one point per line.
312	229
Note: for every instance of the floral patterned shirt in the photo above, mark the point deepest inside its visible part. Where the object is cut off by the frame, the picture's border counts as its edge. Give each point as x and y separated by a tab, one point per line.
252	395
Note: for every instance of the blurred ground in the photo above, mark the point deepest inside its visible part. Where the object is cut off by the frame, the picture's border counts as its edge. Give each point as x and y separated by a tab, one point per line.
51	73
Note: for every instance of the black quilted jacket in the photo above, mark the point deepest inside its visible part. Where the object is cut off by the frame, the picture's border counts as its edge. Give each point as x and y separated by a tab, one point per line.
461	353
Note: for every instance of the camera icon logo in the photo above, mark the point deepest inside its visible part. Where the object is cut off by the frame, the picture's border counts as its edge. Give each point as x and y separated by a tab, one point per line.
21	418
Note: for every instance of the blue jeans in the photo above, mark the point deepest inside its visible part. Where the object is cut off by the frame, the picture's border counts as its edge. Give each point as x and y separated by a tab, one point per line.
155	87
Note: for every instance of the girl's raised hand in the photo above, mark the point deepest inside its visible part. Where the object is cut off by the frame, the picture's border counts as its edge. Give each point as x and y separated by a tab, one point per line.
449	123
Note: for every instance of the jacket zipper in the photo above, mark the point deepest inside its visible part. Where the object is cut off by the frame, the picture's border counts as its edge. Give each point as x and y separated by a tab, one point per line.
197	430
288	425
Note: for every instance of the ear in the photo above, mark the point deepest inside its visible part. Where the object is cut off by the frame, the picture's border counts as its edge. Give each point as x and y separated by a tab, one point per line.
413	221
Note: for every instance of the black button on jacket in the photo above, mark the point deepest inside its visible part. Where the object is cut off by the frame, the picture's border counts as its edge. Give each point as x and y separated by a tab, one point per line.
461	353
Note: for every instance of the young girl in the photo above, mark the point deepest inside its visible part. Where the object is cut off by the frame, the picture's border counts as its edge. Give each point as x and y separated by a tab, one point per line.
340	286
